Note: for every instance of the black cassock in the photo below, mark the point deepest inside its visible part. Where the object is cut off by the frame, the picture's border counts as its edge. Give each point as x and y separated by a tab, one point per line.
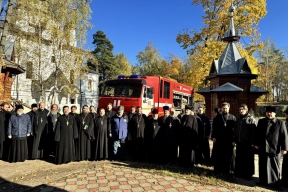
100	134
271	137
285	165
30	139
65	134
94	115
85	127
188	141
153	141
109	115
40	134
204	129
6	142
171	132
243	137
136	130
222	131
2	135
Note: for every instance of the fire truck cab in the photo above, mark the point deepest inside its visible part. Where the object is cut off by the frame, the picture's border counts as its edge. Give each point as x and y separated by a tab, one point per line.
145	91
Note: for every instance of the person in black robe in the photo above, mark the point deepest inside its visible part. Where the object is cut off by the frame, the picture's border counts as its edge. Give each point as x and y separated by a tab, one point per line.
171	132
109	113
181	114
93	112
153	139
52	120
188	139
30	139
222	137
40	132
65	134
162	124
284	180
85	127
271	140
101	131
136	130
18	130
243	140
6	142
204	129
73	111
129	139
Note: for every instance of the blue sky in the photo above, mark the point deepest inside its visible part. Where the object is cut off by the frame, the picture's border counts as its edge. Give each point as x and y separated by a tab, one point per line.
131	24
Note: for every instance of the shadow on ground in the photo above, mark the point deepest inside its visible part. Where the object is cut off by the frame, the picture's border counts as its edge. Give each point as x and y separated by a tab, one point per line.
7	186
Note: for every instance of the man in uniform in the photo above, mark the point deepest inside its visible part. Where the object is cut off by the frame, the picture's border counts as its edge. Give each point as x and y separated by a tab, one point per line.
119	130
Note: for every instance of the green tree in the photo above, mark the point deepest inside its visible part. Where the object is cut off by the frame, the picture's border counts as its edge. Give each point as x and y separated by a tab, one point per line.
272	71
150	61
104	55
125	65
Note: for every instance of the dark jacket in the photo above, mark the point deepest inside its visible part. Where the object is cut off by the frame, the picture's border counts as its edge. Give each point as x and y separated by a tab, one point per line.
32	115
245	129
19	126
204	129
119	126
271	136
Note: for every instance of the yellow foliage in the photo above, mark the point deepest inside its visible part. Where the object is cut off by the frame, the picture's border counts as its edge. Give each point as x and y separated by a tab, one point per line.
205	45
125	65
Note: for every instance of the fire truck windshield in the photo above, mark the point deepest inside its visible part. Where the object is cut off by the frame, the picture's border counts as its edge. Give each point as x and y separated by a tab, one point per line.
122	90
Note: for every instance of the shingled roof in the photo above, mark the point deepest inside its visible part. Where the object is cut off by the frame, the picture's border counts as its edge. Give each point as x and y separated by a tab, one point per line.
231	61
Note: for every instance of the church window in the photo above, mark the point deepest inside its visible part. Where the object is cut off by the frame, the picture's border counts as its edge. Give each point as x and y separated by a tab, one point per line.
53	59
89	85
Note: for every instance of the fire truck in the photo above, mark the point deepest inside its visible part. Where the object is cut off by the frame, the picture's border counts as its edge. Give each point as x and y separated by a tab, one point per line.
146	91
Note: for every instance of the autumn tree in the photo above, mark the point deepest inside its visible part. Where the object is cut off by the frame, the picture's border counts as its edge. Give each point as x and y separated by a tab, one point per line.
272	71
46	33
150	61
125	66
205	45
104	53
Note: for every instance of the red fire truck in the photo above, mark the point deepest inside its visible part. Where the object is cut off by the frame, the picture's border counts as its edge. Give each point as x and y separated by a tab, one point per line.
145	91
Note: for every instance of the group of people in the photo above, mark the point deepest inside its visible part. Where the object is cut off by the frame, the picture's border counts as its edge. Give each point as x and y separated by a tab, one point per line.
166	139
266	137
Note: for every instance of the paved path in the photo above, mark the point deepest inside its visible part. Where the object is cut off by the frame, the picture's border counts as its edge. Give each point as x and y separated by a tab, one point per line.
115	178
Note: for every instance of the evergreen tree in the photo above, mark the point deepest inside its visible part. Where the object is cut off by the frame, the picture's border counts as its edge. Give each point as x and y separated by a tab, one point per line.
107	66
